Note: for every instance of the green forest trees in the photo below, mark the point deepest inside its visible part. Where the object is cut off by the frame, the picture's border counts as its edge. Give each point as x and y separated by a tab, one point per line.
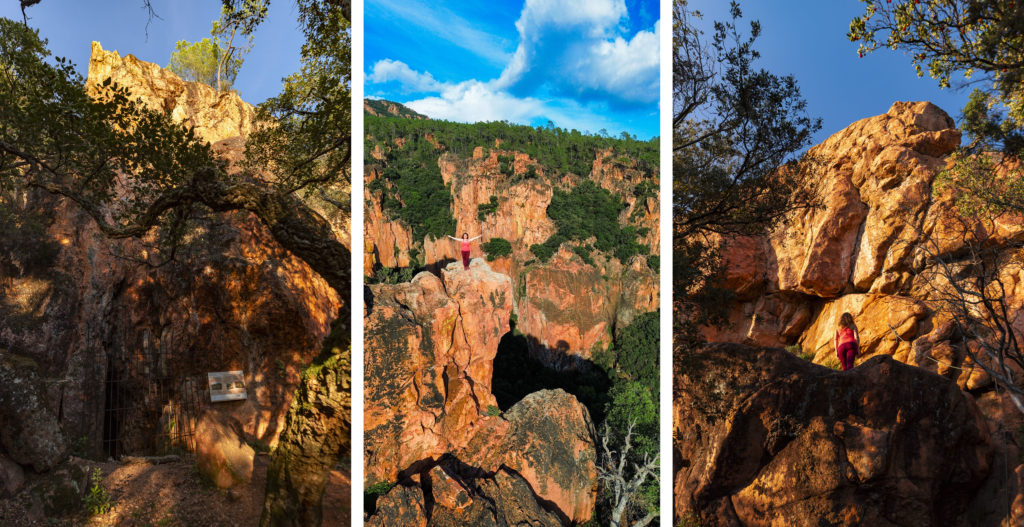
198	62
58	139
977	44
738	132
216	61
411	187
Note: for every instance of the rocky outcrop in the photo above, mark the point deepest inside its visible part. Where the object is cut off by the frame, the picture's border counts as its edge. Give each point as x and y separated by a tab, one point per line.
213	114
315	437
430	346
866	250
110	332
221	455
30	433
764	438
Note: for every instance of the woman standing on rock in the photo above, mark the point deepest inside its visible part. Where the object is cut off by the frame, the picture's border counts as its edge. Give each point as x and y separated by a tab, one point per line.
465	247
847	341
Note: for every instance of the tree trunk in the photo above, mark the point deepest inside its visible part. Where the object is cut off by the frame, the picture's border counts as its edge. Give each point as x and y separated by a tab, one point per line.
315	435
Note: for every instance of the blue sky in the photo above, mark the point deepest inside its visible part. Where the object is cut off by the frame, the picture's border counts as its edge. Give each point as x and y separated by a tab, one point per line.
585	65
807	38
71	25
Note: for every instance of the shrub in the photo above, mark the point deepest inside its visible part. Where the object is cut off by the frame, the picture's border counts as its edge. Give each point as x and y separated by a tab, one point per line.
97	501
486	209
496	247
379	489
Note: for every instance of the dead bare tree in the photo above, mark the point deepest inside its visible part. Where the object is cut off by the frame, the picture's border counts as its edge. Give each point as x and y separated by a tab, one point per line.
624	478
969	285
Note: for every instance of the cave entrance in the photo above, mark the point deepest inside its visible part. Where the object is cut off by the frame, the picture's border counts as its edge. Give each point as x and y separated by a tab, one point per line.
518	373
115	403
151	405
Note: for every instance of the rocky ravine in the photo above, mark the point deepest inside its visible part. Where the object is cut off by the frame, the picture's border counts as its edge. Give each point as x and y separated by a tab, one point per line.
120	341
569	307
433	427
885	444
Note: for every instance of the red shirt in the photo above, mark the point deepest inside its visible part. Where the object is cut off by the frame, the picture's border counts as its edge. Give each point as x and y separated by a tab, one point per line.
845	335
465	245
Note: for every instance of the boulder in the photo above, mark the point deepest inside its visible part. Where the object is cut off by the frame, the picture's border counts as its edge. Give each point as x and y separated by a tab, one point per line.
12	477
551	445
765	438
29	432
221	454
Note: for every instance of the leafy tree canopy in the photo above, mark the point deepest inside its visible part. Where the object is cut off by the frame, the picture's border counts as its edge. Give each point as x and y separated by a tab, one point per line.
982	40
737	165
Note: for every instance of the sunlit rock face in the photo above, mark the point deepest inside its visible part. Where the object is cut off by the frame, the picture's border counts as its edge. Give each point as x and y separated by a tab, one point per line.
863	250
566	307
113	335
431	417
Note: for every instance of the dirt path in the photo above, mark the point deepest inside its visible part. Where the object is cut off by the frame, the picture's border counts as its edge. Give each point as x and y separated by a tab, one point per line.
174	495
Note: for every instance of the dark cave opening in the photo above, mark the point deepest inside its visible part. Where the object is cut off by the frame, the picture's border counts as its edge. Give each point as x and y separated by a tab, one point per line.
517	373
115	402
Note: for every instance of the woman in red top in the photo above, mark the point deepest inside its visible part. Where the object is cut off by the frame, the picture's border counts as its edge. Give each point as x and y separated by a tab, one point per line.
847	341
464	241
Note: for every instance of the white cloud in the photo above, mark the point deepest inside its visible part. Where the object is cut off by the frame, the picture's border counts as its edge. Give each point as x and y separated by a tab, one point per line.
575	50
474	101
388	70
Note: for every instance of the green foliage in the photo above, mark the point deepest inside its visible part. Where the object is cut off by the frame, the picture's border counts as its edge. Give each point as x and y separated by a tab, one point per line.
392	275
589	210
583	251
305	135
738	166
393	109
493	411
49	120
238	18
417	195
980	39
634	402
97	500
556	149
654	262
505	165
198	61
379	489
486	209
543	252
496	247
795	349
636	349
689	519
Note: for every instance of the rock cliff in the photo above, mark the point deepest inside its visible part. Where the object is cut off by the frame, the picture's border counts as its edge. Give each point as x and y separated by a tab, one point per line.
866	250
433	427
125	343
